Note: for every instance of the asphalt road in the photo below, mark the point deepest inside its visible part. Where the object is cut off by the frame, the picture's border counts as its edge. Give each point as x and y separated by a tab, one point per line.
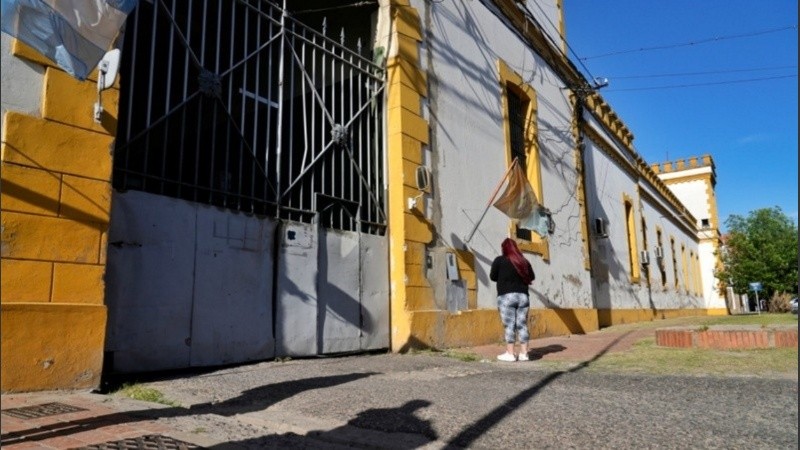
432	402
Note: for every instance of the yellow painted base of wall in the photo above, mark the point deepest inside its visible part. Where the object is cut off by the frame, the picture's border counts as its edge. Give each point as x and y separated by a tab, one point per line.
560	322
441	329
46	346
609	317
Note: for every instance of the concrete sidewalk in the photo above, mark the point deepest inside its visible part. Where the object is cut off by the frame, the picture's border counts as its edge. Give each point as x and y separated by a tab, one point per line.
67	420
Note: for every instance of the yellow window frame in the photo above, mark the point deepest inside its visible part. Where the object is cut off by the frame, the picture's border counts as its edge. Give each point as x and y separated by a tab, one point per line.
633	247
509	79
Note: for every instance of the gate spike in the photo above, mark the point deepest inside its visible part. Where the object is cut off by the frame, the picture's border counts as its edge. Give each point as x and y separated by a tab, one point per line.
325	26
341	37
358	45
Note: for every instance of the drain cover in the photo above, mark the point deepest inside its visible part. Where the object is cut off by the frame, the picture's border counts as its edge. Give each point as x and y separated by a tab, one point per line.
149	442
47	409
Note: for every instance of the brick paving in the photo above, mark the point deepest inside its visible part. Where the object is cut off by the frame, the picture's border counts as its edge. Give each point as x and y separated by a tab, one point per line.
99	421
578	348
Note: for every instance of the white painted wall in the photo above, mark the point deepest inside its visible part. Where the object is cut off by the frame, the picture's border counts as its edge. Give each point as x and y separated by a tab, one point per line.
24	97
694	195
464	41
548	14
606	184
663	292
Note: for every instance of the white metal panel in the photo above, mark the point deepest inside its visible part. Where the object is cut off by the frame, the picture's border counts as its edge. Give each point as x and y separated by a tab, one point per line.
339	308
374	292
232	315
149	272
296	298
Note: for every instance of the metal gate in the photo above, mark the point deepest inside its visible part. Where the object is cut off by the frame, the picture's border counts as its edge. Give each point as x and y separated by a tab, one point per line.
240	105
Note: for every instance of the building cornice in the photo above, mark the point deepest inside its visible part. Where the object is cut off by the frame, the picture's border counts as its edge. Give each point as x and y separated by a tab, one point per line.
640	170
536	38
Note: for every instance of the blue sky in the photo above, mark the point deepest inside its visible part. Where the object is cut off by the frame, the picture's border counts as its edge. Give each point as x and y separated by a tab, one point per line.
748	127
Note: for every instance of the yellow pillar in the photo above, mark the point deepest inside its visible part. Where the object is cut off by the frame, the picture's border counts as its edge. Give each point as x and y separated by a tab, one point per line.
56	198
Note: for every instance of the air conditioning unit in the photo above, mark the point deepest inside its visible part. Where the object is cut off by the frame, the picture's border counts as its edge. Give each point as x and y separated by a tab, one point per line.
600	229
423	179
659	251
644	258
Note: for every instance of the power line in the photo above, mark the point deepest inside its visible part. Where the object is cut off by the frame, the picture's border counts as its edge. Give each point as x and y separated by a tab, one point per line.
686	44
362	3
680	74
701	84
531	16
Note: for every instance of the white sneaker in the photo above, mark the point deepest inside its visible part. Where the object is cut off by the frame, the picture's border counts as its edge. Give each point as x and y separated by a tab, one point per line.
508	357
523	357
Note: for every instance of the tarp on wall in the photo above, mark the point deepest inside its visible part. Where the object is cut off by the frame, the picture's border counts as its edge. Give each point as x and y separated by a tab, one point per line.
75	34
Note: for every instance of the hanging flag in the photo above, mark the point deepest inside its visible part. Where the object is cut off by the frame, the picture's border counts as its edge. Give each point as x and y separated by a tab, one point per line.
518	200
75	34
538	221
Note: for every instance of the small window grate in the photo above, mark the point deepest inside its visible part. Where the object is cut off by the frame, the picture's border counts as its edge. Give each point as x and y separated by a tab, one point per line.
44	410
148	442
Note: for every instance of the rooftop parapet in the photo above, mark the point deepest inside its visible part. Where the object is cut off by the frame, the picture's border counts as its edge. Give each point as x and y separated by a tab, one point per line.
679	165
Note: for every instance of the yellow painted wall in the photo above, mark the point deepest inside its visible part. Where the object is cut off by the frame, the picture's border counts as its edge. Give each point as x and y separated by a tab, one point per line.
407	133
54	206
51	346
441	329
609	317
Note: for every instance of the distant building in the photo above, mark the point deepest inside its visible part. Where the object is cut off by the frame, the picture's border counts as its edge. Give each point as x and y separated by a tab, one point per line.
693	180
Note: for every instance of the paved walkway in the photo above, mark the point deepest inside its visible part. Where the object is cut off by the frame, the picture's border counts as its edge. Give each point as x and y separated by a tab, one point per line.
67	420
357	402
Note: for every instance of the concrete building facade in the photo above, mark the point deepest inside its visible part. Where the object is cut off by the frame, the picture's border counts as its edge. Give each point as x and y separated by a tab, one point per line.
141	268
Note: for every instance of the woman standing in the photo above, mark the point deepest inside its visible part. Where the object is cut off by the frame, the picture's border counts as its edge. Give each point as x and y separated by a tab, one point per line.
513	274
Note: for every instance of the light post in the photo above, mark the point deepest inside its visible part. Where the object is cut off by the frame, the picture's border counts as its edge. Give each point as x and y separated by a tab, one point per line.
756	286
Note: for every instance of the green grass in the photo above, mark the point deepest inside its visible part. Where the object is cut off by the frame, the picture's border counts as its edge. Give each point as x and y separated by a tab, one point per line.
456	354
764	319
646	357
139	392
462	356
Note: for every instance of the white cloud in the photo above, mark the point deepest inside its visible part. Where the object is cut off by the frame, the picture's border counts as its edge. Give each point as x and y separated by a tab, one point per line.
752	139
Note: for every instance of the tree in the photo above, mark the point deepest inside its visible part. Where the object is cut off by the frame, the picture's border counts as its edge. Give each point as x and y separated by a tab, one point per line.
761	247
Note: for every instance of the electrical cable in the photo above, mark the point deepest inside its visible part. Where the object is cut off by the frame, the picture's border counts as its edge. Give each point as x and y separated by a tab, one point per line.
679	74
701	84
686	44
566	42
349	5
